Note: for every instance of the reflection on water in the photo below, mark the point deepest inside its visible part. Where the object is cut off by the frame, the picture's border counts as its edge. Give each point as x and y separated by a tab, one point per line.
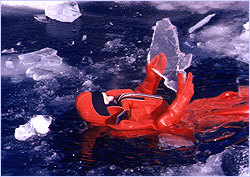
102	146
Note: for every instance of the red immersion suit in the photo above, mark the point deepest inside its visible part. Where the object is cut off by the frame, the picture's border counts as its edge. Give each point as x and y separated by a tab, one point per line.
142	109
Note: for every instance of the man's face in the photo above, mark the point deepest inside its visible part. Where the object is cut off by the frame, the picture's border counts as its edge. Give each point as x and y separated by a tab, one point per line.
107	98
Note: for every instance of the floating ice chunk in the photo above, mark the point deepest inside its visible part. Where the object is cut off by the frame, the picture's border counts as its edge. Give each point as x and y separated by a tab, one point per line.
43	64
130	60
12	50
38	124
112	46
246	26
19	43
23	132
65	12
165	40
38	65
35	57
10	67
41	18
52	60
38	74
41	124
201	23
114	43
168	141
87	83
72	43
84	37
88	60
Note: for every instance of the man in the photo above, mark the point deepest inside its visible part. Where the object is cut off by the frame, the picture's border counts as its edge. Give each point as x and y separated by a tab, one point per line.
127	109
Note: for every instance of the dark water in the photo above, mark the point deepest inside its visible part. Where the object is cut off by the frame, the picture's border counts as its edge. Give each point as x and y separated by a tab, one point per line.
62	150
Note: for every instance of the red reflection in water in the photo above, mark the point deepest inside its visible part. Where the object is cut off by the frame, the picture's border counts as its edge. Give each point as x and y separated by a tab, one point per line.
200	116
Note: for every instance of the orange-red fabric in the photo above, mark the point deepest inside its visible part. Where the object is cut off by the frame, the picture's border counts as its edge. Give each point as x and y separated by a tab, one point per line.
141	113
152	80
86	110
208	114
201	115
156	114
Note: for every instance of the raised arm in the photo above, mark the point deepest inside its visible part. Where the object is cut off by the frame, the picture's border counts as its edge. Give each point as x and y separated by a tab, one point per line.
175	111
152	80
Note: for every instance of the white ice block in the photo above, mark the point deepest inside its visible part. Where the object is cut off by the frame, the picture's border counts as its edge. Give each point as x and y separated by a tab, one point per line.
65	12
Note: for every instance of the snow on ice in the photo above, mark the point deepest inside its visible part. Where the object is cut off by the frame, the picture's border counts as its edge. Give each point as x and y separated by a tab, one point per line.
201	7
222	40
31	4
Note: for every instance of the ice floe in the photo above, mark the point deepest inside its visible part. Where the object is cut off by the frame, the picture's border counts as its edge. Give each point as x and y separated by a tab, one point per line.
44	64
38	65
165	40
37	125
34	57
63	11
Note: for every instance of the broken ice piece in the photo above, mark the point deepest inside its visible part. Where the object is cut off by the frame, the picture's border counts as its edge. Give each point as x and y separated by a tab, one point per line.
35	57
84	37
53	60
65	12
41	123
38	124
38	74
246	26
168	141
165	40
42	64
41	18
112	46
19	44
201	23
8	51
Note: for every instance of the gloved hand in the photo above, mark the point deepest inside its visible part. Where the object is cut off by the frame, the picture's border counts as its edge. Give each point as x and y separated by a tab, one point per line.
158	63
185	90
175	111
152	80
